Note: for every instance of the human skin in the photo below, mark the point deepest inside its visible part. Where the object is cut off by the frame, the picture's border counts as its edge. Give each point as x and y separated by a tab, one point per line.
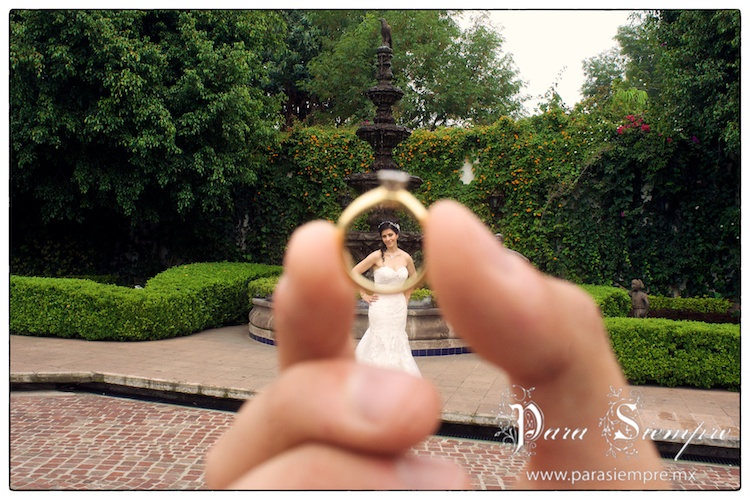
330	423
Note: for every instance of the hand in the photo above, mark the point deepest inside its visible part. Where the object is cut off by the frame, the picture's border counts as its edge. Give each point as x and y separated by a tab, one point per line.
329	423
369	298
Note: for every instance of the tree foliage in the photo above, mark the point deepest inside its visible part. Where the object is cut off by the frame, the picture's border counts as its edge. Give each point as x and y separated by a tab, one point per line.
290	69
642	51
602	73
134	110
701	66
448	75
154	127
677	113
139	117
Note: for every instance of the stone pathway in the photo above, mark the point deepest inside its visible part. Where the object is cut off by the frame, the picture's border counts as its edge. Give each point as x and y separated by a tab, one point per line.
80	441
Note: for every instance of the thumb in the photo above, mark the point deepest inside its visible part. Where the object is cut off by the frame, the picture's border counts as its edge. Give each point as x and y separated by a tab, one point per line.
511	314
546	333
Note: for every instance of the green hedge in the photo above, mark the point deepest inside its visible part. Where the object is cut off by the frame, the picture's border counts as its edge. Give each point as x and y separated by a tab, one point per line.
262	287
671	353
699	305
190	298
566	187
179	301
423	293
612	301
677	353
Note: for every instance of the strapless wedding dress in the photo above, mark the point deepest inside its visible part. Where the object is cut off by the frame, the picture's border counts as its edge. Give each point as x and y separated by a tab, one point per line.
385	343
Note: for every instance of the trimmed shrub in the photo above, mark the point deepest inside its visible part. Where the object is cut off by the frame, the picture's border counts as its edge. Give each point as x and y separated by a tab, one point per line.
615	302
695	316
262	288
219	289
179	301
421	294
677	353
696	304
612	301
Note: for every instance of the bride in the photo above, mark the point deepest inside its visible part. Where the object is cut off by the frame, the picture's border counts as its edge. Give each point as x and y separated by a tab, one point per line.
385	342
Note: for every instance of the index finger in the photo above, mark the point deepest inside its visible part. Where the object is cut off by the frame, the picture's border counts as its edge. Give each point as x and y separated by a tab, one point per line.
314	300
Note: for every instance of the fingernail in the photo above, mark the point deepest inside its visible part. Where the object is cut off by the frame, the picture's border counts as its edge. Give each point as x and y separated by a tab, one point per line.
379	394
428	474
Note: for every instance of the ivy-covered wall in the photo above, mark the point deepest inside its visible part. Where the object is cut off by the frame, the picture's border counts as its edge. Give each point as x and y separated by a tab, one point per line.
587	201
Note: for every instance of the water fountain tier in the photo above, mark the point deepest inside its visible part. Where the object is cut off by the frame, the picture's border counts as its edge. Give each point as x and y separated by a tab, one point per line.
425	328
383	135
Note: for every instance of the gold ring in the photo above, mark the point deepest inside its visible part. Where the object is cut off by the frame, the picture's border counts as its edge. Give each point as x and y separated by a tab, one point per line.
390	192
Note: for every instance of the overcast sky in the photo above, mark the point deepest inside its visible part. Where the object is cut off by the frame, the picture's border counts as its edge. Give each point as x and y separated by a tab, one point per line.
550	45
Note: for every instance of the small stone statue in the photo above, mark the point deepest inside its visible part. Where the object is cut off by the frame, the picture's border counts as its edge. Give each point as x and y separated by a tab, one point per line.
385	32
638	298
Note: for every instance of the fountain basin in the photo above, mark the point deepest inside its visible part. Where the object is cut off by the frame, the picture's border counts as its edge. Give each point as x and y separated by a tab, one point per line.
429	334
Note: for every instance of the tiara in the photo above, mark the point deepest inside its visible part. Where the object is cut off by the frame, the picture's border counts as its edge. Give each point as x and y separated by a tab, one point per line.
392	224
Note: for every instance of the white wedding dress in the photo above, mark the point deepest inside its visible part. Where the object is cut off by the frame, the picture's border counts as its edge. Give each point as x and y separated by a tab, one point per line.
385	343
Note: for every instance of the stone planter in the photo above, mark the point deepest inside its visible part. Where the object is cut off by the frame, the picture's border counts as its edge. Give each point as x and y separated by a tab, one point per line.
425	327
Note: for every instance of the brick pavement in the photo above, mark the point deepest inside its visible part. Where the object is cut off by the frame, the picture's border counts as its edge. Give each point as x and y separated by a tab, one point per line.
80	441
225	362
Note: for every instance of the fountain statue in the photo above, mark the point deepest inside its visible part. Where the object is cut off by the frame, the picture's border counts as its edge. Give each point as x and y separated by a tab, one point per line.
383	135
428	333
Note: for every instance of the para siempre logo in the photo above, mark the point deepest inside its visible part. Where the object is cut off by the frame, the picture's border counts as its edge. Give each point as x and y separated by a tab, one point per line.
621	426
526	424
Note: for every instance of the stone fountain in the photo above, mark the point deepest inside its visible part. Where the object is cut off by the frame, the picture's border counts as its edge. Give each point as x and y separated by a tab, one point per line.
428	333
383	135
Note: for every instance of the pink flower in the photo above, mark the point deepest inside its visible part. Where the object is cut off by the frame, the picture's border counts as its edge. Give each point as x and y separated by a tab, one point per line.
645	127
620	129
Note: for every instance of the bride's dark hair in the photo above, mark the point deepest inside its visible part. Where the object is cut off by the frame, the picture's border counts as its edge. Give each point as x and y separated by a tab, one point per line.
386	224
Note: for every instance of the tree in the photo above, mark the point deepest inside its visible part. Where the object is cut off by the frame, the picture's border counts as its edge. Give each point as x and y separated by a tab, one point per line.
642	52
141	118
447	75
699	107
677	141
602	72
289	73
701	66
474	83
341	73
